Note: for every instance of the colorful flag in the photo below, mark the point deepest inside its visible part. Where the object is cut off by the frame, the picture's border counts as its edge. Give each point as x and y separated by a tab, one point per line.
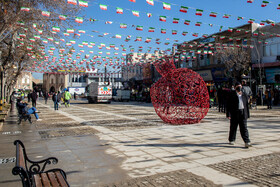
238	30
278	7
62	17
166	6
46	13
213	14
195	34
26	9
240	18
119	10
250	1
138	38
184	33
162	18
139	28
151	29
174	32
251	21
264	3
150	2
262	22
123	26
198	23
73	2
198	12
226	16
163	31
118	36
221	27
205	35
83	3
70	30
108	22
103	7
222	37
79	20
230	29
149	15
135	13
82	31
176	20
187	22
184	9
56	29
132	1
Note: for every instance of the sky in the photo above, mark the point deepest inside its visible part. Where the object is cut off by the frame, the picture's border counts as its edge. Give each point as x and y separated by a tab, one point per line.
97	28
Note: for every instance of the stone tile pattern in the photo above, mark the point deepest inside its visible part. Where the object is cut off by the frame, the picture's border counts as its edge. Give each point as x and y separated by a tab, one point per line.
260	170
175	178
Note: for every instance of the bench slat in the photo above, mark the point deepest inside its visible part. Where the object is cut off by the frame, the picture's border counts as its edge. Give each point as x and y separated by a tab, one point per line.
37	179
61	179
53	179
21	157
45	180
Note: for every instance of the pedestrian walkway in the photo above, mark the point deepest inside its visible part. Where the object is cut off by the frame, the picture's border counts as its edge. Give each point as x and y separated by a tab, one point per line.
121	144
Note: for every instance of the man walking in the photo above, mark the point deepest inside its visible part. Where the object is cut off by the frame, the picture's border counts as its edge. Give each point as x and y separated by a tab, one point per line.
34	97
238	113
46	97
55	101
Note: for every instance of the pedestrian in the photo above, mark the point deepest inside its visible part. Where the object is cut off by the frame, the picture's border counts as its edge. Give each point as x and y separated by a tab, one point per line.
23	109
238	113
247	90
67	97
22	95
47	95
29	97
34	97
269	95
59	97
55	100
220	99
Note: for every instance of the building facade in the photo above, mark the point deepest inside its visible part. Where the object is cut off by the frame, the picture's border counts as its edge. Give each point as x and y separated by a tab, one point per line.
24	82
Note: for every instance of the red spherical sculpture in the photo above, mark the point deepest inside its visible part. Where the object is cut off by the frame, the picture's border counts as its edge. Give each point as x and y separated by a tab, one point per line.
180	96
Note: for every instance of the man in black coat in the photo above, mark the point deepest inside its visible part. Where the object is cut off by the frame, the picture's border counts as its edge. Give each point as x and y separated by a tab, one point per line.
238	113
34	97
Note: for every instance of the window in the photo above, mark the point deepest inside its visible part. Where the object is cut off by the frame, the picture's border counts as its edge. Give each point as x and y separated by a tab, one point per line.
273	50
27	80
266	50
23	80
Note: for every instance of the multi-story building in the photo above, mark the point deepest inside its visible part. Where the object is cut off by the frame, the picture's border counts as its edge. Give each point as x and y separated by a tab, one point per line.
24	82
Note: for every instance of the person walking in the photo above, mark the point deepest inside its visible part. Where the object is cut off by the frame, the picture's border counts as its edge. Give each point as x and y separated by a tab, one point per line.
67	97
238	113
29	97
55	100
34	97
269	95
47	95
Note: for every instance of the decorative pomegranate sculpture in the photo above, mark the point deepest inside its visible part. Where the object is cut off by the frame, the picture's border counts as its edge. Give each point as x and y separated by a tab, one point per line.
180	96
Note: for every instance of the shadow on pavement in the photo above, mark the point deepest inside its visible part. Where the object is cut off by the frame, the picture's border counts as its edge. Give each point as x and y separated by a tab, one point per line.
187	145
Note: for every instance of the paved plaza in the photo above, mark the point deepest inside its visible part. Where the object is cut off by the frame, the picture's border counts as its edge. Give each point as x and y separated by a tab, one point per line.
127	144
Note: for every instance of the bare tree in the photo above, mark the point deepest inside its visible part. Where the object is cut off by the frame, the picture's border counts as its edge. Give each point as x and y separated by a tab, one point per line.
236	61
22	33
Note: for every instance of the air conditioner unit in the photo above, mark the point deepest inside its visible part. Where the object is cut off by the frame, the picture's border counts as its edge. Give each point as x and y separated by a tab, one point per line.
278	57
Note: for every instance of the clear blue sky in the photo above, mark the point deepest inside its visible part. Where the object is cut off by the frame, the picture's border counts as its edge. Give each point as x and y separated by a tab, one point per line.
233	7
